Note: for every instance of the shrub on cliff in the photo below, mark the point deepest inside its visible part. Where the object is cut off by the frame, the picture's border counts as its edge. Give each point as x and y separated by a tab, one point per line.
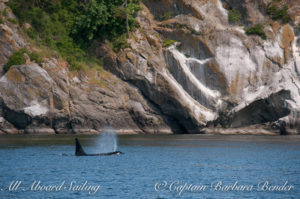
278	13
36	57
120	43
18	58
257	29
234	16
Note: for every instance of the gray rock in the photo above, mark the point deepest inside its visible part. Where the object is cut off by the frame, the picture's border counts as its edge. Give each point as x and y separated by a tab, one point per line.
35	102
214	79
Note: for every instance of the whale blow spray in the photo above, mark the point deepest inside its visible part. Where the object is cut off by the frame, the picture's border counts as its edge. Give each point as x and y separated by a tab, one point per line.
107	142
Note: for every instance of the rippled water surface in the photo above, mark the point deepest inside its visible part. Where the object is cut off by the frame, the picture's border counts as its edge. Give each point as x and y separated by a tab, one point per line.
164	166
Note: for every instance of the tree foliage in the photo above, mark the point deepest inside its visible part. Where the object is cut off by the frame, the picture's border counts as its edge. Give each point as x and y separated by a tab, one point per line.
104	19
69	26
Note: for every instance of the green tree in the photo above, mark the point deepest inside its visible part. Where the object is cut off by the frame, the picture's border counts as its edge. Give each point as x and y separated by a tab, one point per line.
69	26
105	19
94	17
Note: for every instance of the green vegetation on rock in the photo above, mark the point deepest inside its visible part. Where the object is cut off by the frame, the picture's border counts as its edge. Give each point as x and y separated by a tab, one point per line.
167	16
70	26
12	20
257	29
278	13
168	42
4	13
234	16
18	58
104	19
119	43
36	57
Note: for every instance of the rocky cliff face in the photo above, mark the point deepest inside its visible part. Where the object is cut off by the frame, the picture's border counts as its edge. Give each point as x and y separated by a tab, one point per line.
51	99
213	79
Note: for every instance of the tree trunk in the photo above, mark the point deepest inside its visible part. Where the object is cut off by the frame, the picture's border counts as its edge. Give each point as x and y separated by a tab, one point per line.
127	25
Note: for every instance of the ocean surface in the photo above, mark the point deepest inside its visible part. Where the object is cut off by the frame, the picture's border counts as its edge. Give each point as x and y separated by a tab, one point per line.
152	167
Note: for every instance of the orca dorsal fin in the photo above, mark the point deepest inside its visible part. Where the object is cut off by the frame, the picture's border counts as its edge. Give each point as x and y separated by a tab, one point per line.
79	150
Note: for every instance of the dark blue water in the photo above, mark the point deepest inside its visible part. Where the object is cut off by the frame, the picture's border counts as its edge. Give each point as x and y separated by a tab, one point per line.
174	166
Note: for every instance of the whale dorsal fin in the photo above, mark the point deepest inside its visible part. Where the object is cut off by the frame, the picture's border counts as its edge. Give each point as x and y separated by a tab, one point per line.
79	151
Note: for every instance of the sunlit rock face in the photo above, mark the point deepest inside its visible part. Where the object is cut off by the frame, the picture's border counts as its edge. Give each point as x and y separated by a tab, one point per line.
187	70
48	99
214	75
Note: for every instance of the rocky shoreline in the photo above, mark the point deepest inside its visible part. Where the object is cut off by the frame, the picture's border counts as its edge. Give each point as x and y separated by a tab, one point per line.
208	131
192	73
